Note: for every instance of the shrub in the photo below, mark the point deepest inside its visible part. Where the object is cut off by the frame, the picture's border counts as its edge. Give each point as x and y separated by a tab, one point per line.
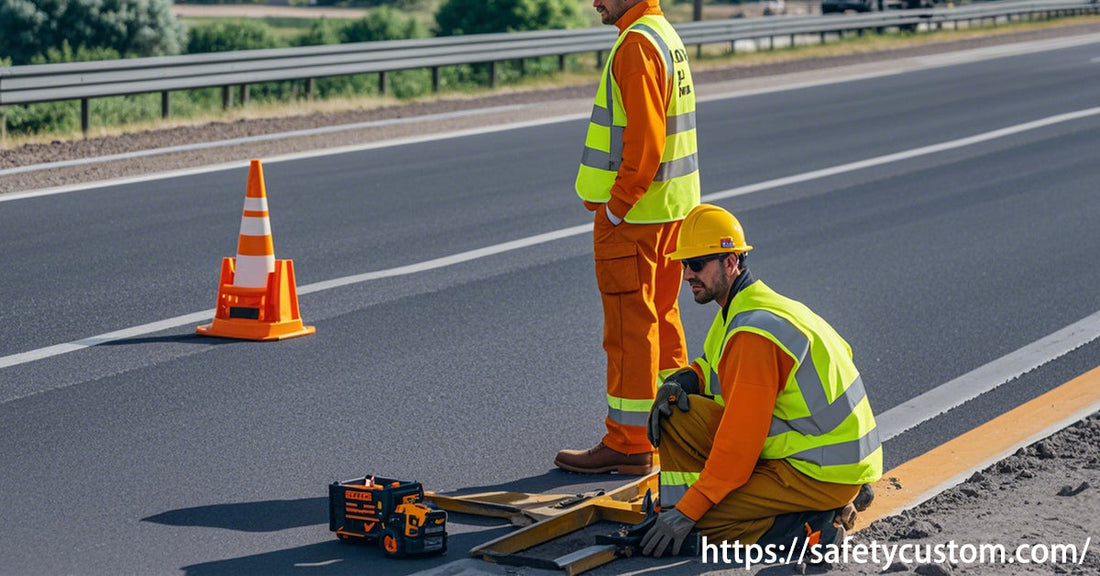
383	24
321	31
486	16
231	35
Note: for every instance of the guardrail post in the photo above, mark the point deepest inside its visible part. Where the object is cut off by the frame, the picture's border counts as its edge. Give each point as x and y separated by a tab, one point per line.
492	74
244	94
227	97
311	85
165	104
84	114
3	126
383	83
599	59
561	62
435	79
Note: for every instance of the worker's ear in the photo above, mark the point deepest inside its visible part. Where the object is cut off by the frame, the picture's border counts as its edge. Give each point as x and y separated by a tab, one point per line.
731	263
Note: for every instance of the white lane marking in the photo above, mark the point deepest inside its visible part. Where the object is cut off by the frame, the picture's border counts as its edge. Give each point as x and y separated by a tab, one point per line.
49	351
774	84
445	260
318	564
904	155
197	317
255	139
132	332
296	156
944	397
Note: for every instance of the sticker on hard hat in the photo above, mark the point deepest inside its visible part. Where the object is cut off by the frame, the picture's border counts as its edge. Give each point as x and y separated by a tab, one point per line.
727	242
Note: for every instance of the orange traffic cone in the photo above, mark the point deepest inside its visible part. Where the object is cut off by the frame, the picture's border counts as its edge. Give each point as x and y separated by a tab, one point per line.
257	294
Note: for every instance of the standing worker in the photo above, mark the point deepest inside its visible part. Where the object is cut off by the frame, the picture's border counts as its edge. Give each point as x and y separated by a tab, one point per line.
639	174
772	435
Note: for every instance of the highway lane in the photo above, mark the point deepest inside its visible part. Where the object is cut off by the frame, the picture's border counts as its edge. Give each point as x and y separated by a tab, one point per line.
170	452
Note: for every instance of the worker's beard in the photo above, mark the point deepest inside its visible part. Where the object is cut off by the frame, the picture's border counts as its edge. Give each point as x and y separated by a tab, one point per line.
707	293
611	14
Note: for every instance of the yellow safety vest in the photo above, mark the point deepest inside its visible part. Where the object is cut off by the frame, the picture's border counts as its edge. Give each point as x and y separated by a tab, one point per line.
675	188
822	422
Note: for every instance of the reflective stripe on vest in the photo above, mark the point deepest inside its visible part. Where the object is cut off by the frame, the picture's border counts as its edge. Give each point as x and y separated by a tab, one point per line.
628	411
831	440
675	188
674	485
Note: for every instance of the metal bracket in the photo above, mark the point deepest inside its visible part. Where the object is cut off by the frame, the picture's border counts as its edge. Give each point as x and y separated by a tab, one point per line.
547	517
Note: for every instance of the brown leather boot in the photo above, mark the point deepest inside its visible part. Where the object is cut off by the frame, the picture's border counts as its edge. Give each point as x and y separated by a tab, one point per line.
600	459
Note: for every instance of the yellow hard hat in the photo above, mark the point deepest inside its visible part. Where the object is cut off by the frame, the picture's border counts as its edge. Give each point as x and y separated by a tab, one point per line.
706	230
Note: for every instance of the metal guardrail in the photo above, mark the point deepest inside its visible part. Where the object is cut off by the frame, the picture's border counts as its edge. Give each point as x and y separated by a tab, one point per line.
85	80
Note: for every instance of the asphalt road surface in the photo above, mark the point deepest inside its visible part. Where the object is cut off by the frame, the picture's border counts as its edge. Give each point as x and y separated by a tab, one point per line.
941	219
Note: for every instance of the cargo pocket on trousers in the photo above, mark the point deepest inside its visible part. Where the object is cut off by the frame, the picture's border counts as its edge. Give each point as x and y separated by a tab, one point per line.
617	267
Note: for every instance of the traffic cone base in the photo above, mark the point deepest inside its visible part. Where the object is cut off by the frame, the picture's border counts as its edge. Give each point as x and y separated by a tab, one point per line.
257	294
260	313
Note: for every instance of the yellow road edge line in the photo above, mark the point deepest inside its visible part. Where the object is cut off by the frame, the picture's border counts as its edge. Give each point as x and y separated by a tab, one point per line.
949	464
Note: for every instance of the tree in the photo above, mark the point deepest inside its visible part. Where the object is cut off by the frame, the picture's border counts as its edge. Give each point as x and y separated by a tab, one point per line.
129	27
486	16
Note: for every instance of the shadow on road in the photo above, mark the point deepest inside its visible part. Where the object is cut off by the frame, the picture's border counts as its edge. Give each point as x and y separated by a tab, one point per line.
335	557
267	516
170	339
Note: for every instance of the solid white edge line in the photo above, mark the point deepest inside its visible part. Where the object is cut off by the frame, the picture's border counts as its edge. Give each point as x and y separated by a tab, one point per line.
259	138
913	412
285	158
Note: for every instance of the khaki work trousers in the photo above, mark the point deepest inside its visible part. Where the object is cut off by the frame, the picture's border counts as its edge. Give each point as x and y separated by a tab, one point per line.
639	288
775	487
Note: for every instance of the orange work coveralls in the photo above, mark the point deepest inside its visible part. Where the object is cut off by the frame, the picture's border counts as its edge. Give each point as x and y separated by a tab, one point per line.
639	286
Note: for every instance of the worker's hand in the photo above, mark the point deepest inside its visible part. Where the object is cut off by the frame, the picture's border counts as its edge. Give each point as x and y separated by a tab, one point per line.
671	527
668	394
611	217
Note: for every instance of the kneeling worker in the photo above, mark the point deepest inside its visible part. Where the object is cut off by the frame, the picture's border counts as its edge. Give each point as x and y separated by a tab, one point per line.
769	436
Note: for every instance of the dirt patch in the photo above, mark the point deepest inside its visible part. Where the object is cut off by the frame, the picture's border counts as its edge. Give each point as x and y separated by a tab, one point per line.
1044	495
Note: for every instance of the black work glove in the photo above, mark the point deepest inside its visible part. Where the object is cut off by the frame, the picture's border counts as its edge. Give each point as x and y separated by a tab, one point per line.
668	394
675	388
671	527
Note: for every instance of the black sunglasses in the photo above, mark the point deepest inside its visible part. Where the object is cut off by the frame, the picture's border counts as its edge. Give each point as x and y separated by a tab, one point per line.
697	264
